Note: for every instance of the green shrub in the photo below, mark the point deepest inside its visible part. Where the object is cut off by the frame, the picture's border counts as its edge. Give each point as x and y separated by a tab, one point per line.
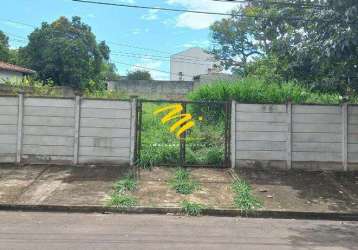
33	87
182	183
254	90
243	199
191	208
105	94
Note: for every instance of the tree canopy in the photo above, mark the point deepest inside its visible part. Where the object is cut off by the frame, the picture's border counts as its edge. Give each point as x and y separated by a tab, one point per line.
67	52
4	47
139	75
313	42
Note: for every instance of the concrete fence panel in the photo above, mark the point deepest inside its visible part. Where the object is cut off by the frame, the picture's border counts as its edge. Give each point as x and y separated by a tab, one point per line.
317	137
353	137
8	128
48	134
261	134
105	129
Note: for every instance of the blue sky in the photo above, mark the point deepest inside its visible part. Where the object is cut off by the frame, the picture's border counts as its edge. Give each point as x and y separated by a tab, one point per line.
161	33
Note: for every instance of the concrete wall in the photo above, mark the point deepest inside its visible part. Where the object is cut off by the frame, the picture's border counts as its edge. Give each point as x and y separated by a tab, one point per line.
153	89
66	130
85	131
6	75
352	127
261	135
8	128
311	137
105	129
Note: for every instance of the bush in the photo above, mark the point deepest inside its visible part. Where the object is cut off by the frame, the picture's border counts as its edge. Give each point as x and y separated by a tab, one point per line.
34	87
253	90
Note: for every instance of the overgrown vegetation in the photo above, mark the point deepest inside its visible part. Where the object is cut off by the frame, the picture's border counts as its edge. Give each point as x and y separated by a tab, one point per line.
292	43
182	183
204	142
255	90
121	193
33	87
243	198
191	208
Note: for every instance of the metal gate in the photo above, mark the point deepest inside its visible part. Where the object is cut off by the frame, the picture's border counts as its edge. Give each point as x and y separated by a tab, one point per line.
183	133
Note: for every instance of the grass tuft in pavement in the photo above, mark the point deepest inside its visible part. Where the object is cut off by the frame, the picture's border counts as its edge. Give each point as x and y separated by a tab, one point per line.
122	200
120	196
126	184
182	183
191	208
243	198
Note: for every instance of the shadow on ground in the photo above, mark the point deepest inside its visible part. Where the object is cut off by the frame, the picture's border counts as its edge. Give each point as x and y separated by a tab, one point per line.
304	191
58	185
332	236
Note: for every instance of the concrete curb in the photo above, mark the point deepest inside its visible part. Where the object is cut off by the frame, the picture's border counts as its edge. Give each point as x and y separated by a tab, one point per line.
177	210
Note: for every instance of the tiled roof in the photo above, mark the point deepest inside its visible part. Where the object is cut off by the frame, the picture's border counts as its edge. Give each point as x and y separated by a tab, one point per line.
15	68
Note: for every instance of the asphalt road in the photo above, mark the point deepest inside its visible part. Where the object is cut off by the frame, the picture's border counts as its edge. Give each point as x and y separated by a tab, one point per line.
26	230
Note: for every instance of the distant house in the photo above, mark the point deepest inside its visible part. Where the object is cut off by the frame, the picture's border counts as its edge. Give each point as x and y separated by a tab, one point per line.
190	63
11	72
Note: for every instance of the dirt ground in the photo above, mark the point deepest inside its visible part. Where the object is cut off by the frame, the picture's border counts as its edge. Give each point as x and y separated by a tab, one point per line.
57	185
92	185
304	191
214	191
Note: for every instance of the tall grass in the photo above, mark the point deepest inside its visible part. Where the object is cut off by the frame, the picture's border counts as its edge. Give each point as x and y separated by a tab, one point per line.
253	90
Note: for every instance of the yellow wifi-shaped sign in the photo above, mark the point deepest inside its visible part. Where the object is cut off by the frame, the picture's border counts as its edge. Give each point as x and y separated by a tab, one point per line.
184	123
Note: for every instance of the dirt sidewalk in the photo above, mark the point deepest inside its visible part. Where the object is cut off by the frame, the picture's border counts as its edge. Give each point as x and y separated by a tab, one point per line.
92	185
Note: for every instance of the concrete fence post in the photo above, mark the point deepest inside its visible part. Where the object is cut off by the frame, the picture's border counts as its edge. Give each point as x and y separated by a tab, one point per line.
133	131
289	135
345	136
233	134
20	123
77	129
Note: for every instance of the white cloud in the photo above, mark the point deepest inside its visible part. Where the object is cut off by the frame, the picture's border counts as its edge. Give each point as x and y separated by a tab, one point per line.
150	15
152	66
196	43
200	21
136	31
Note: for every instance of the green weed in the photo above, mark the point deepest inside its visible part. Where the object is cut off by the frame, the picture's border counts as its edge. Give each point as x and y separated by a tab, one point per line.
126	184
182	183
122	200
191	208
243	198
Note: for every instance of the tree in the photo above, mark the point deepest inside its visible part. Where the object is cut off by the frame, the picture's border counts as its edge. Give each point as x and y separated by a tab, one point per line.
4	47
65	52
139	75
315	45
233	40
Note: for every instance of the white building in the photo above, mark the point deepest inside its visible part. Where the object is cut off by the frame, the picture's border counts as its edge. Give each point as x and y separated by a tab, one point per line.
189	63
11	72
